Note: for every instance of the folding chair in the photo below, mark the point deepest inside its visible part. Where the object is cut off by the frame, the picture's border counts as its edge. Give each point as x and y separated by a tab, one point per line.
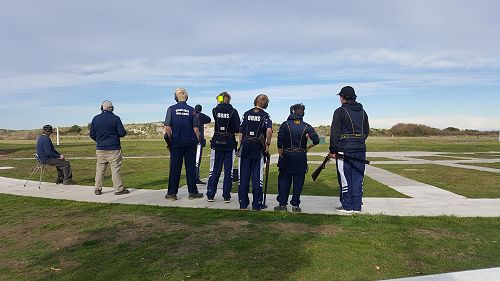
40	167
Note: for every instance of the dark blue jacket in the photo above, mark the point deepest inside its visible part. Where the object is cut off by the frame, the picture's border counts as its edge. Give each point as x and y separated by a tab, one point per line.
45	149
201	119
253	128
349	129
106	130
292	138
227	123
180	117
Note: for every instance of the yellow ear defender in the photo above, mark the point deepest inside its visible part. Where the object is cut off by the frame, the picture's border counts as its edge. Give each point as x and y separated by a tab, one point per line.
220	98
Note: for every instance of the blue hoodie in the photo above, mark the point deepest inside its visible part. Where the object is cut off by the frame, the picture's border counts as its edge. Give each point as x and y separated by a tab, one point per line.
106	130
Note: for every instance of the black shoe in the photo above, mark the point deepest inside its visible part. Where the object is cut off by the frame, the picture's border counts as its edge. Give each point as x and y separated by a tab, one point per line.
210	198
200	182
69	182
97	192
281	208
172	197
124	191
227	199
193	196
256	209
296	209
59	181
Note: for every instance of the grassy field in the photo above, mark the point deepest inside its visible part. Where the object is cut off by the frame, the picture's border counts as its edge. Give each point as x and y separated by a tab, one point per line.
43	239
75	147
152	173
469	183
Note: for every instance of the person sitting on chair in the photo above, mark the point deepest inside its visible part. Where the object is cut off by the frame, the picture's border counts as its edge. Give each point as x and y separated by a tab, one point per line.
48	155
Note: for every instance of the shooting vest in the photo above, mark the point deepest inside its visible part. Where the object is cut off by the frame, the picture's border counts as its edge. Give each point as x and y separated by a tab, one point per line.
254	127
224	129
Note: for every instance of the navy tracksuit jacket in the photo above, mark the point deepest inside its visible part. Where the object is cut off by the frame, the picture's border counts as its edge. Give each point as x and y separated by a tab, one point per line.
223	144
348	134
106	130
251	164
180	117
292	139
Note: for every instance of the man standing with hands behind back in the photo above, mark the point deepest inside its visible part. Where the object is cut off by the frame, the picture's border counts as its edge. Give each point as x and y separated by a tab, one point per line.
106	130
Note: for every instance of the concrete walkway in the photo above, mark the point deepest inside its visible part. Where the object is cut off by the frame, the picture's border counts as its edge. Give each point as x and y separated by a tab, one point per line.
492	274
460	207
426	200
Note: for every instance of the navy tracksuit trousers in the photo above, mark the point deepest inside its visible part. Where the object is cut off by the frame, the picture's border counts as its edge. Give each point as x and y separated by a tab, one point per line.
350	175
177	155
285	180
219	158
251	169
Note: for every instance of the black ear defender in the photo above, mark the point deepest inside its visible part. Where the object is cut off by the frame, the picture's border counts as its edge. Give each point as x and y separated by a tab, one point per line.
110	109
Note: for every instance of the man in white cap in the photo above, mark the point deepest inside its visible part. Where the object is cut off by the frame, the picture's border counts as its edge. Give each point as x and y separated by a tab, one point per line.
106	130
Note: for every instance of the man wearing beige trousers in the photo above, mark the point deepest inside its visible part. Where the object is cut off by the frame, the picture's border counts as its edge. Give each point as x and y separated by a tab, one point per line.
106	130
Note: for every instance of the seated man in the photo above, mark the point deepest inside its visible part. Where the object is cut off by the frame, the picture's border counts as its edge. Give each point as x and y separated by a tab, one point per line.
48	155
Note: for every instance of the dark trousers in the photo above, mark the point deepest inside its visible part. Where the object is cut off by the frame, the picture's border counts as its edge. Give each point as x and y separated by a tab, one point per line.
63	168
285	180
251	169
177	156
199	154
218	159
350	175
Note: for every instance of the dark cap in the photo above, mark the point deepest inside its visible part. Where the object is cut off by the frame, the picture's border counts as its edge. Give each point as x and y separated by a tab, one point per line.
198	107
347	91
47	129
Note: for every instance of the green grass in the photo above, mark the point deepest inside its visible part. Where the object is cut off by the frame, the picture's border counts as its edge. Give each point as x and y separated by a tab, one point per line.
480	155
74	147
469	183
152	173
90	241
495	165
327	184
435	158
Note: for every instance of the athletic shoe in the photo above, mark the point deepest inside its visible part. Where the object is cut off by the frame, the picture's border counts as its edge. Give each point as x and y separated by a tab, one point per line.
281	208
193	196
243	208
210	199
97	192
58	181
200	182
342	210
296	209
227	200
357	212
124	191
172	197
69	182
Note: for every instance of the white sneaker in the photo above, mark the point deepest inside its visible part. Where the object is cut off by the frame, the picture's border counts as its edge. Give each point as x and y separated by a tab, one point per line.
340	209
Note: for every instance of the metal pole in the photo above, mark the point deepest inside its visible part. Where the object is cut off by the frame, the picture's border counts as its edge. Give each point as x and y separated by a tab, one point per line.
57	133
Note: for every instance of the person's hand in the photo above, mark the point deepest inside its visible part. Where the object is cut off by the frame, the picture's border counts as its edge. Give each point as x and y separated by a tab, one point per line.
332	155
61	156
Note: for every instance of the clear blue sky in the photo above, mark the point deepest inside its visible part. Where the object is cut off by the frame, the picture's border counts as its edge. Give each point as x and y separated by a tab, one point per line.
430	62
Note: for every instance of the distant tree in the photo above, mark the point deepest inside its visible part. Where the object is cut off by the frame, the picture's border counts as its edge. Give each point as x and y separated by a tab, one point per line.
74	129
452	129
413	130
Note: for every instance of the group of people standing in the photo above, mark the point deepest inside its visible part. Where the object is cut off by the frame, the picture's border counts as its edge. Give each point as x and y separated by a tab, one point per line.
184	124
184	136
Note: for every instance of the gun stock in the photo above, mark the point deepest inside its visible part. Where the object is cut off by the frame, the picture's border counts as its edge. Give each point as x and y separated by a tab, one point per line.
321	167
